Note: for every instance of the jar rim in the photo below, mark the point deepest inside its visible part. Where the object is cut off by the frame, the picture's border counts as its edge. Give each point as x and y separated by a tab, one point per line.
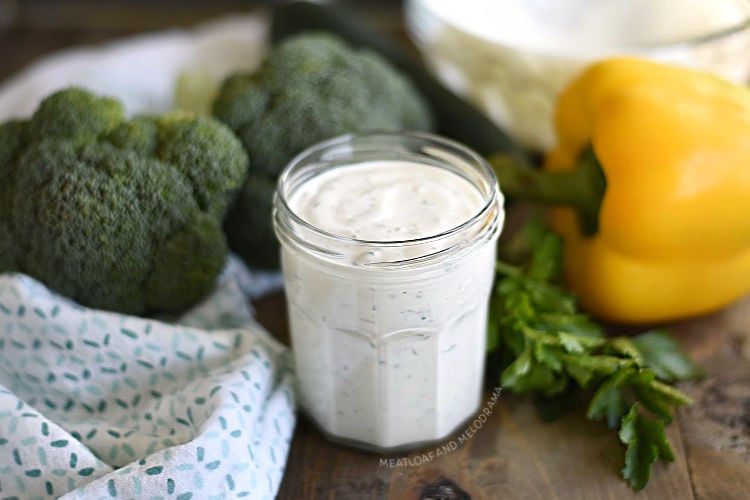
491	197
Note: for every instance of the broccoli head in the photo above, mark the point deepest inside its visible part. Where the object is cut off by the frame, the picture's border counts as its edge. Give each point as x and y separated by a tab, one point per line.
117	214
311	87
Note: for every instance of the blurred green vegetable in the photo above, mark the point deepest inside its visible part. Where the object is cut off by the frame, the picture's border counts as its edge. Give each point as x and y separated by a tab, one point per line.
195	91
311	87
116	214
454	117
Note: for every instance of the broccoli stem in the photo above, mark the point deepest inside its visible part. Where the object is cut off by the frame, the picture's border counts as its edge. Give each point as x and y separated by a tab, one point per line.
581	188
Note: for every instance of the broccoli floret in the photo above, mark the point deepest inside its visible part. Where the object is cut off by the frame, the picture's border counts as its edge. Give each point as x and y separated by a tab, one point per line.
253	210
311	87
116	214
10	140
84	114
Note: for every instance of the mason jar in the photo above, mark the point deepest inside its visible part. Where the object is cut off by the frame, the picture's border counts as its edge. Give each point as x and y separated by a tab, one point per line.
388	250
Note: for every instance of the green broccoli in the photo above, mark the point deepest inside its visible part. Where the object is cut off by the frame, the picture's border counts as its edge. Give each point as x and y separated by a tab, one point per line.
311	87
116	214
253	210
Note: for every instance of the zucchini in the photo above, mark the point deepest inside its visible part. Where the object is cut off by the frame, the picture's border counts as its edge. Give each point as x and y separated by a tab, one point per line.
455	118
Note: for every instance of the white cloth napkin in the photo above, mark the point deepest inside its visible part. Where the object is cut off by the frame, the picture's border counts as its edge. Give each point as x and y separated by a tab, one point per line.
101	405
95	404
141	70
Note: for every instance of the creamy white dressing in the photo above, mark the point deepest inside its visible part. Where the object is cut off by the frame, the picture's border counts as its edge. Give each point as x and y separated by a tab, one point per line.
389	358
387	201
576	27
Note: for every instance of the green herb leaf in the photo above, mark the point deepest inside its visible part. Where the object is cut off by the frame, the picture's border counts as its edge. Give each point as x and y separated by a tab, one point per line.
526	374
517	369
661	353
548	355
543	345
646	442
574	342
546	258
625	347
608	402
657	397
598	364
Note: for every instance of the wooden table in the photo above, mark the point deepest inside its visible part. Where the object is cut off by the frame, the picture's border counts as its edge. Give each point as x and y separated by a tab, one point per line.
514	454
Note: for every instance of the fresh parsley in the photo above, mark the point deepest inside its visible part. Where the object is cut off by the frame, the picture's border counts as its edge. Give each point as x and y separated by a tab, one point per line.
541	343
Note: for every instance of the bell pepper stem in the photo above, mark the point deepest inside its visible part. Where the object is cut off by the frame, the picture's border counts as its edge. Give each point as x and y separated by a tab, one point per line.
581	188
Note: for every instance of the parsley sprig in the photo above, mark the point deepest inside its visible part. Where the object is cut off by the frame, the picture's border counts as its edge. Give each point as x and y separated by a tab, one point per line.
541	343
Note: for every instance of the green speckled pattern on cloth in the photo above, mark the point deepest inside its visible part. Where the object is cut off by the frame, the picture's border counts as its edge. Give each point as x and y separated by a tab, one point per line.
102	405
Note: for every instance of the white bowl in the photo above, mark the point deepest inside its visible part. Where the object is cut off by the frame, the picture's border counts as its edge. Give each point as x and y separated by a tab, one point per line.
513	57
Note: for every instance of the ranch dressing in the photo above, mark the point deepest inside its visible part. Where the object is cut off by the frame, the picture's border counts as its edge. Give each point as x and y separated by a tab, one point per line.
388	263
387	201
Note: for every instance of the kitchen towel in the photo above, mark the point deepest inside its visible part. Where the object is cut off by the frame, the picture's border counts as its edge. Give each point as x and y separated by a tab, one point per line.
95	404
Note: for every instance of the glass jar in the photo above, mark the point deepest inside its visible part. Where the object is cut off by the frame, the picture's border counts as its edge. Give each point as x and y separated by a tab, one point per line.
389	336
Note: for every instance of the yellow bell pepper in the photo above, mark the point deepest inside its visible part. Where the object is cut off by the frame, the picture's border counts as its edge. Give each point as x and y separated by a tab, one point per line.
673	237
663	231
